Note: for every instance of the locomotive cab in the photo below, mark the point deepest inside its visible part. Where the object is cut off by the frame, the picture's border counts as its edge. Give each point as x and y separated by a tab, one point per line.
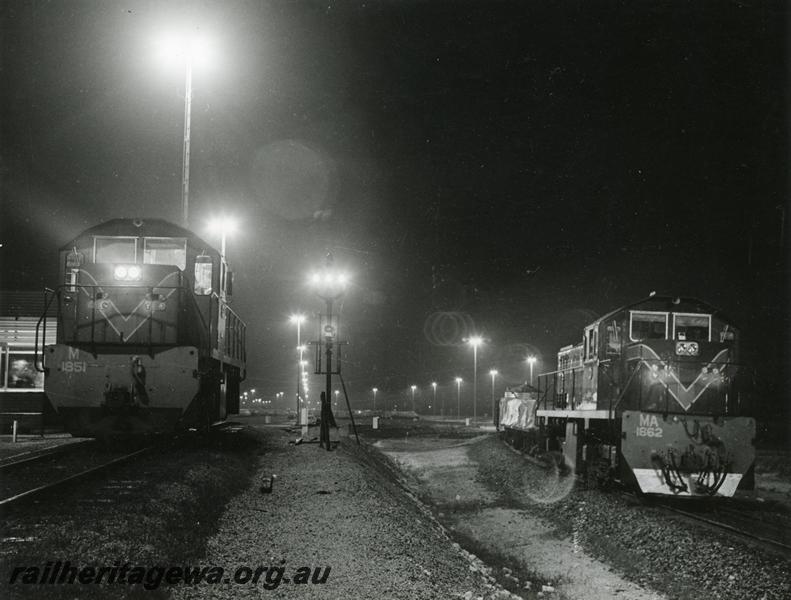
652	394
146	340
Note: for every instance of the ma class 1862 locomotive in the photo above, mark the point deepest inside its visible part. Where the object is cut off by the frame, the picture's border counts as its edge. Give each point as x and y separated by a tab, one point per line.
146	341
653	396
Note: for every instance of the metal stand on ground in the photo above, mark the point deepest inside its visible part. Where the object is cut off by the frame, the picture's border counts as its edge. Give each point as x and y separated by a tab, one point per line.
349	408
332	286
327	421
324	423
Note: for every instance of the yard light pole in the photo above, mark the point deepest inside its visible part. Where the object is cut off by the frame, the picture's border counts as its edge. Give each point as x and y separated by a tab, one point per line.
189	49
531	360
413	388
298	319
493	373
185	173
374	390
475	341
458	396
434	385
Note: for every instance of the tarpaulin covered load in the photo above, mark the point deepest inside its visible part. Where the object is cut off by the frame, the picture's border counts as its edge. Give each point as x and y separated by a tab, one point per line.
518	410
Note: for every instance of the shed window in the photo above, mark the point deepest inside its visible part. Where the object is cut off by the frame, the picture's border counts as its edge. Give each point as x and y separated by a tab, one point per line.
18	372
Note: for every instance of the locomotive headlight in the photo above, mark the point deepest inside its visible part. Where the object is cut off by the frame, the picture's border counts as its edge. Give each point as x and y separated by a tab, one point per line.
127	273
687	348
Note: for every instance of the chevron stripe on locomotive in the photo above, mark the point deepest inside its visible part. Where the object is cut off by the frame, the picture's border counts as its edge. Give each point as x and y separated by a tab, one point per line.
146	342
652	396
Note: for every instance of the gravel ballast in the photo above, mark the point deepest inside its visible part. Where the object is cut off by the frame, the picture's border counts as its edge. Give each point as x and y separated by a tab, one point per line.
682	559
336	511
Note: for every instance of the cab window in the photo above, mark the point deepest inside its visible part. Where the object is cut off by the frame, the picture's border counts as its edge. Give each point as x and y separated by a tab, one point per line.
647	326
203	276
115	250
613	337
591	343
692	327
165	251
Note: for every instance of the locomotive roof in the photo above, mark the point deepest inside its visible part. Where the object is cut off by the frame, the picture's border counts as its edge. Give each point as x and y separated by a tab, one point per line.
140	228
667	304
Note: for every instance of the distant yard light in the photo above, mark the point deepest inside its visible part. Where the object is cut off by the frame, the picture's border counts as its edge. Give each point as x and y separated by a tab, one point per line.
177	48
458	396
531	360
222	225
329	283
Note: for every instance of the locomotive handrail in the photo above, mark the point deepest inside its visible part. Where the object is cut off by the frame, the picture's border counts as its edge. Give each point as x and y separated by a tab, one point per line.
93	323
625	388
234	345
43	318
233	326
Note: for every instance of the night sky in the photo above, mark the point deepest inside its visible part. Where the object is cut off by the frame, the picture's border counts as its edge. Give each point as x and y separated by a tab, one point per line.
511	168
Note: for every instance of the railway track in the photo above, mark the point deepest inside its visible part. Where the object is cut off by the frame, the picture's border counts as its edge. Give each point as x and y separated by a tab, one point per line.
768	526
41	473
764	523
32	456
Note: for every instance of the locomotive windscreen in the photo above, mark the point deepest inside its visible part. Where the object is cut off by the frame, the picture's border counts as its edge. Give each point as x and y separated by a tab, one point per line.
648	326
692	327
165	251
115	250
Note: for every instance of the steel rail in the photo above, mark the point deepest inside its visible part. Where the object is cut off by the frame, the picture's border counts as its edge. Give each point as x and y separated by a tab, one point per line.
49	486
44	453
725	526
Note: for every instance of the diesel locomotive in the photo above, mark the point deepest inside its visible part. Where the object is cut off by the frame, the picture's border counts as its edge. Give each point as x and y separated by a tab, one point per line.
146	340
653	396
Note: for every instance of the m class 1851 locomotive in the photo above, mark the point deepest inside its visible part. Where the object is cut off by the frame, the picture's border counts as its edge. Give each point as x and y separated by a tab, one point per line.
652	396
146	341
